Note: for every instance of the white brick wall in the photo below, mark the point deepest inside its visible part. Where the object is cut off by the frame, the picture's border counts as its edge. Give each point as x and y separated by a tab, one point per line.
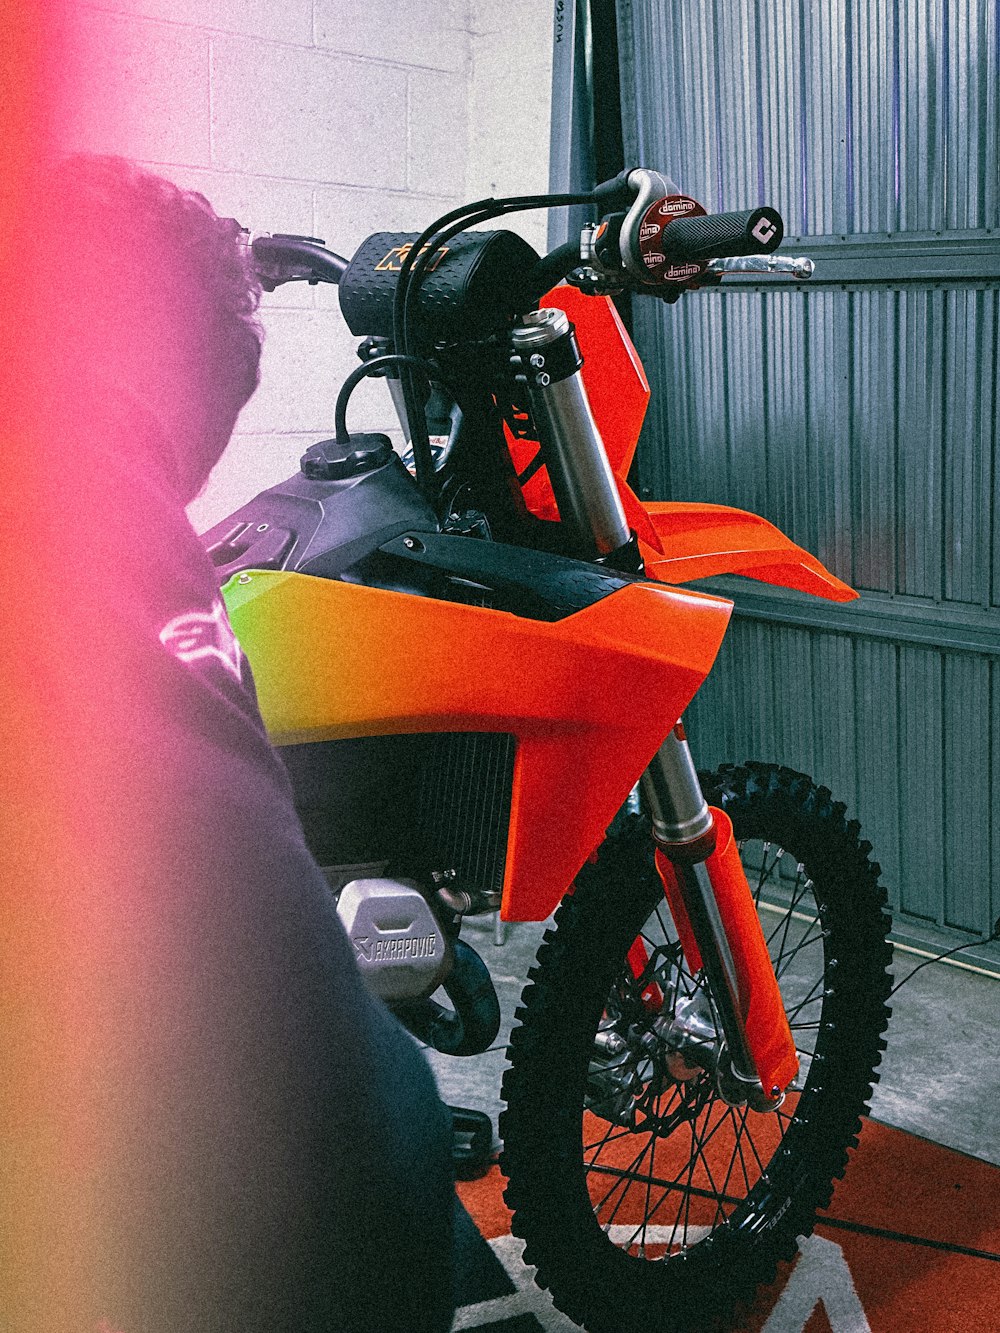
318	116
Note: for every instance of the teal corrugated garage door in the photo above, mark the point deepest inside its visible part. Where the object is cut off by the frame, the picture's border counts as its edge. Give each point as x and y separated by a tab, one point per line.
859	415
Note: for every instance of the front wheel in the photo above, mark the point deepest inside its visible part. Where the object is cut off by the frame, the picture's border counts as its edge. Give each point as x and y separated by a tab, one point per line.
646	1200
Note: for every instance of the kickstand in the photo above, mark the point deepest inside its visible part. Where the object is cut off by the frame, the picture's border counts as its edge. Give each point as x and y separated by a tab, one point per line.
472	1143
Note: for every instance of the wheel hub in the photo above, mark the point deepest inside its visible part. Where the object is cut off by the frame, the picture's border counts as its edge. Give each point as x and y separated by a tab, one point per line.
635	1063
690	1038
629	1073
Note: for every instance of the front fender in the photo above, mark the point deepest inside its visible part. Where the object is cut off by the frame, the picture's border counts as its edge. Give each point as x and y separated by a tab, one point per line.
699	541
679	542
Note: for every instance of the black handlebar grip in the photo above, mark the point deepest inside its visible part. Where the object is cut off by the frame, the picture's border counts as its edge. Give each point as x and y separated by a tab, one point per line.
723	235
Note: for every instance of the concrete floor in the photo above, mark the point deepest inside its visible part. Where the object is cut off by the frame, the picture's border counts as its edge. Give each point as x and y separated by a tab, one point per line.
940	1077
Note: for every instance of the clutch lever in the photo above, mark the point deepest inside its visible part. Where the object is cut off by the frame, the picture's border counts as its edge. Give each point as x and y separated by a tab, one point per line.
280	257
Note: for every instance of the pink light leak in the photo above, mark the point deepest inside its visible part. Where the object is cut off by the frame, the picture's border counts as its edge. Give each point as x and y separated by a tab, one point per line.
35	855
71	701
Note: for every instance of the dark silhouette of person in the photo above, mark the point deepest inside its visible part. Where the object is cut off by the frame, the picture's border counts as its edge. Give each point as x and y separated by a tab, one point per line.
256	1144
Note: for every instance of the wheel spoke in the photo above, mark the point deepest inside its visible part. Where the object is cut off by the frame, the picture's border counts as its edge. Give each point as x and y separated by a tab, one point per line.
669	1186
809	998
626	1175
700	1144
743	1160
747	1132
779	972
641	1228
649	1189
663	925
630	1179
765	872
609	1137
719	1214
798	893
685	1203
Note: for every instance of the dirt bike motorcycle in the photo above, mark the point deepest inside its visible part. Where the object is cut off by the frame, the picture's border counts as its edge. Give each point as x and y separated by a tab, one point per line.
468	665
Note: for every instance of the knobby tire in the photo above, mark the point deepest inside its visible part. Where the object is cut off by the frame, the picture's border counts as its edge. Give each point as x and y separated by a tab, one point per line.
622	1238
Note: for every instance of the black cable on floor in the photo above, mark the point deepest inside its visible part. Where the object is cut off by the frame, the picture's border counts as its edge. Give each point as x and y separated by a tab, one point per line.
948	953
864	1230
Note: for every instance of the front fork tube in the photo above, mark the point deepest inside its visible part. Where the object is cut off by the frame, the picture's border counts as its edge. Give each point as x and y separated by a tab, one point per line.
720	933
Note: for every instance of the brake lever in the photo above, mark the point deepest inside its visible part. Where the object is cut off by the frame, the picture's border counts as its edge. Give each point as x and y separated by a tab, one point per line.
768	266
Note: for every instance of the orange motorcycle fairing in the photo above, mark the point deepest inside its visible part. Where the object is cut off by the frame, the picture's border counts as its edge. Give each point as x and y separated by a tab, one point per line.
679	541
589	698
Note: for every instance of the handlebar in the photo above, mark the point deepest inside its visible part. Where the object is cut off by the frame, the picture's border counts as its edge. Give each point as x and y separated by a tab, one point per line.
283	257
453	285
662	242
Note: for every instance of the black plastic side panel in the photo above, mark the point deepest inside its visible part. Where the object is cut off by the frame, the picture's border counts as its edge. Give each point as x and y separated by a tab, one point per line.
533	584
319	527
377	529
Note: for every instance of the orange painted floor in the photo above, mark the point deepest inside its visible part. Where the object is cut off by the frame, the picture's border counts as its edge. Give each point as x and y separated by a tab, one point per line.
911	1242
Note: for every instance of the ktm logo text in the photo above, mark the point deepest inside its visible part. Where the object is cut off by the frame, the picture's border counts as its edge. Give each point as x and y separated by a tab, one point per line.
396	258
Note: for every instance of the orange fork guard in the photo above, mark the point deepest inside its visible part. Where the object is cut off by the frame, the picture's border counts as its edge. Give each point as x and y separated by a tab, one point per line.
768	1034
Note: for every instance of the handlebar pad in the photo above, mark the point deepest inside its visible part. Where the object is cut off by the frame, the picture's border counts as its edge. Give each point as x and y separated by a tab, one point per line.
473	286
723	235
